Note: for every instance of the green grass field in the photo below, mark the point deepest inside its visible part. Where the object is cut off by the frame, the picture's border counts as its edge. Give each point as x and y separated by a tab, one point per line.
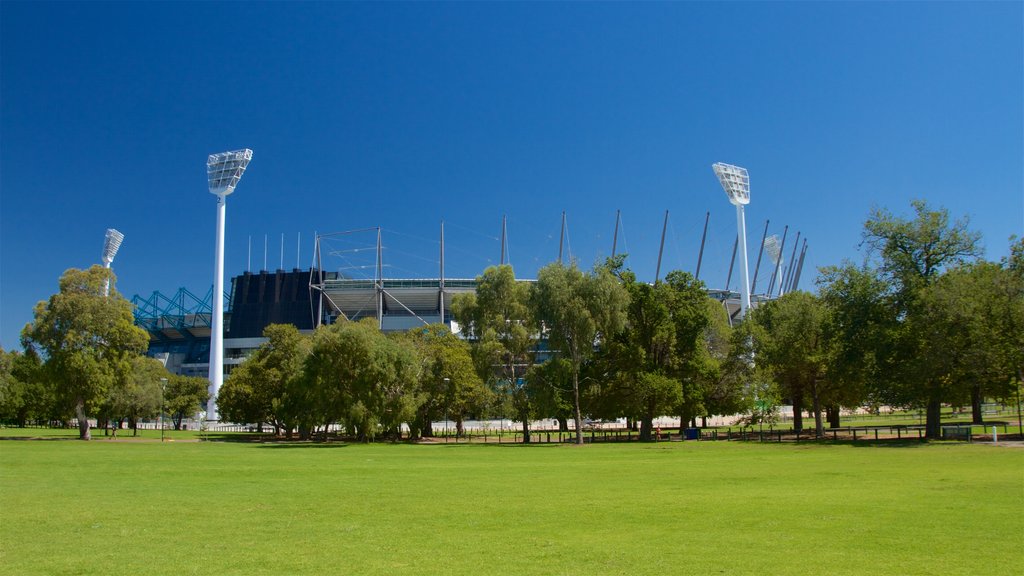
69	507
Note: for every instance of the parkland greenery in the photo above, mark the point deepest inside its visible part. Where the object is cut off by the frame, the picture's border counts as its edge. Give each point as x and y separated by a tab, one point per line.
923	321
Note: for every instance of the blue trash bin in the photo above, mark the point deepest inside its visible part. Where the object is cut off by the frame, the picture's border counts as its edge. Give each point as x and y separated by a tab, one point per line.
693	433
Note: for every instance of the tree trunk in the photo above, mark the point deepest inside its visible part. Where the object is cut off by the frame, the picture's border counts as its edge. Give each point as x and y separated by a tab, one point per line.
526	430
819	428
832	412
577	416
83	421
703	421
798	412
646	429
933	419
458	427
563	424
976	398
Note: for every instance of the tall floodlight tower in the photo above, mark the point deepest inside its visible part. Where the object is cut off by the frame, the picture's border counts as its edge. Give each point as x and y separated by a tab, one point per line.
224	170
774	249
111	244
736	183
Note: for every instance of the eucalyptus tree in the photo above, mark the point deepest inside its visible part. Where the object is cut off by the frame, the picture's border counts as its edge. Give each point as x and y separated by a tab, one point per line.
184	397
912	255
363	379
795	350
859	322
723	392
137	397
268	386
449	383
974	323
24	394
657	364
497	319
86	341
578	312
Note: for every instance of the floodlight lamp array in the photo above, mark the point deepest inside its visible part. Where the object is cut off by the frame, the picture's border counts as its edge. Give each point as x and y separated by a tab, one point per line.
224	170
735	181
773	247
111	244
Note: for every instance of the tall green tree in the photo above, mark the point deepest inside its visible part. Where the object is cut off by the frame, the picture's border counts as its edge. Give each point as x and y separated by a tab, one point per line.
723	393
363	379
184	397
579	312
86	340
972	333
267	386
656	363
912	254
795	350
859	320
137	397
497	319
449	382
24	395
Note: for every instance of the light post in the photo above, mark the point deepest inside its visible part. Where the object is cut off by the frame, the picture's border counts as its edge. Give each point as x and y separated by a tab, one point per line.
223	170
163	386
111	244
774	250
736	183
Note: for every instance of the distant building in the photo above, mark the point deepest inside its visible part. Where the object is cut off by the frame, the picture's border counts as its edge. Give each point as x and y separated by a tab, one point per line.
179	326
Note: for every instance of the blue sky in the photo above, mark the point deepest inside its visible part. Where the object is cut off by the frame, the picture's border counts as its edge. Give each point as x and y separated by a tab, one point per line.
400	115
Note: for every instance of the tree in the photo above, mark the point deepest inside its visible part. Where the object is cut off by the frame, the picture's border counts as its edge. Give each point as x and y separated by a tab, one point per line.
912	255
498	320
449	382
363	379
578	311
723	393
859	319
266	387
137	397
24	394
184	397
660	343
795	350
85	339
971	332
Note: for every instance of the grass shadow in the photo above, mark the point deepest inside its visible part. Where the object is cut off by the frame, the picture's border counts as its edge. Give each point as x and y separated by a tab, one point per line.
292	444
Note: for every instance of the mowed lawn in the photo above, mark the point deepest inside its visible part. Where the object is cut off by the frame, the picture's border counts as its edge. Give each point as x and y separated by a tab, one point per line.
69	507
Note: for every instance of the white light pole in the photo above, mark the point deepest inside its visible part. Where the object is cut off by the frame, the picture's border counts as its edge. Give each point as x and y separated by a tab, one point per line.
224	170
736	183
111	244
774	249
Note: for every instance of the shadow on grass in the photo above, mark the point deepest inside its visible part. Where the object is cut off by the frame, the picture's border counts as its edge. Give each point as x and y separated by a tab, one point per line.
498	445
913	443
291	444
42	438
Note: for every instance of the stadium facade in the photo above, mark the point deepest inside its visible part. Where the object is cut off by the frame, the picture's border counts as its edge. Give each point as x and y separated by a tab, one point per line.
179	325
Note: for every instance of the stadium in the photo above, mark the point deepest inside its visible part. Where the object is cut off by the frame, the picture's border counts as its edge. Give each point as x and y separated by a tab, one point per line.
179	324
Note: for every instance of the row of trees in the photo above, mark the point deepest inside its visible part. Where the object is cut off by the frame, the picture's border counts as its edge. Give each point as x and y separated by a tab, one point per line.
83	357
922	322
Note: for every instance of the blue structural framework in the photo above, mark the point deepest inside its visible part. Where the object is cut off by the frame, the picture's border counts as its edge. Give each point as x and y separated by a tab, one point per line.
179	316
179	328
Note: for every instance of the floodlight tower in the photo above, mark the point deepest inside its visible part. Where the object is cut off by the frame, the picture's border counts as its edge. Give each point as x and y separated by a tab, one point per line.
736	183
774	249
111	244
224	170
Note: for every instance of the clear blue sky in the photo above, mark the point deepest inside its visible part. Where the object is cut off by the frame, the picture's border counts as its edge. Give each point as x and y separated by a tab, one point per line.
401	115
